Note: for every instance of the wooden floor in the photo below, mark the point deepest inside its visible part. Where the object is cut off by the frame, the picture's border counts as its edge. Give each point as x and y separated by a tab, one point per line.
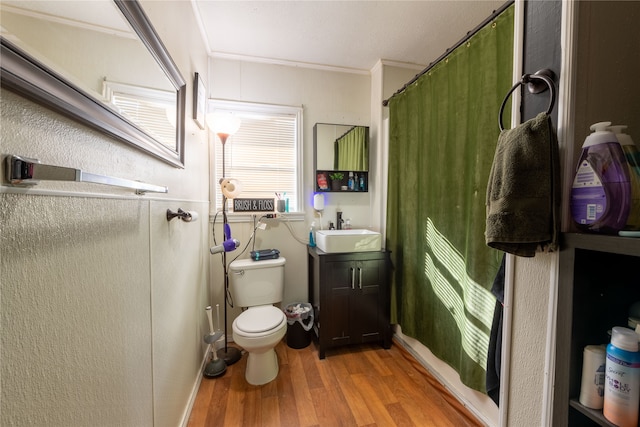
353	386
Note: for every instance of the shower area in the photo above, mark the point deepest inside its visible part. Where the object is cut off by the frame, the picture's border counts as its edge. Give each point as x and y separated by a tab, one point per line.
443	129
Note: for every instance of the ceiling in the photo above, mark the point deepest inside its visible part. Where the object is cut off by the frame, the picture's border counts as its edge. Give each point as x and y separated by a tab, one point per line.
348	34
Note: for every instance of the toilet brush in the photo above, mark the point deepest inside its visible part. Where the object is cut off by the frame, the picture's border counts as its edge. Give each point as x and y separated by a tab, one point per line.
215	367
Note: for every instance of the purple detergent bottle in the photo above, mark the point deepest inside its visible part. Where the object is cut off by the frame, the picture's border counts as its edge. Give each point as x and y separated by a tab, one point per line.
601	192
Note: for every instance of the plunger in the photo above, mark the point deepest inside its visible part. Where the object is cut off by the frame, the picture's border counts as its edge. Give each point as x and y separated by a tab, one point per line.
215	367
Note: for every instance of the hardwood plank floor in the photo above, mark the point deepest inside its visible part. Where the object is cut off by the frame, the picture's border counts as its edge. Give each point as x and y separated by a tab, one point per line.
353	386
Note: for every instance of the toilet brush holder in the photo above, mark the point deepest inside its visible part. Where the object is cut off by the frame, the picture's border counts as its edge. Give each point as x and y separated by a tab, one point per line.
216	366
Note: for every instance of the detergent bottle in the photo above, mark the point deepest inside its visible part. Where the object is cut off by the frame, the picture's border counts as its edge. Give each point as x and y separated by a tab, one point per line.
622	378
601	192
633	160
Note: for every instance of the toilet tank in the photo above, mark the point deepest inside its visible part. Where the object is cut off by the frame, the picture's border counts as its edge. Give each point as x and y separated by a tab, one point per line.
256	282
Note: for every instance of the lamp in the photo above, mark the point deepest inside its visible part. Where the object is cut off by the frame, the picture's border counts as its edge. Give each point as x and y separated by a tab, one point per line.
224	125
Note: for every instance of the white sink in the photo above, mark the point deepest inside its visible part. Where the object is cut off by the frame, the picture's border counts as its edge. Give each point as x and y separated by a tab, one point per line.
334	241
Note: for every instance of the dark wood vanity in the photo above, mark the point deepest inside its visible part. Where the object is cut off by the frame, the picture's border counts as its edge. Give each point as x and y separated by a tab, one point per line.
349	293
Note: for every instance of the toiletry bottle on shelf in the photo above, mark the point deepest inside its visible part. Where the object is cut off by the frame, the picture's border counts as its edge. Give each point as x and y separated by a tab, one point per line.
355	182
622	378
350	182
361	182
633	159
601	193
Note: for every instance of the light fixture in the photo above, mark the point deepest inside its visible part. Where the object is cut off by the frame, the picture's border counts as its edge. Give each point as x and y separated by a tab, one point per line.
224	125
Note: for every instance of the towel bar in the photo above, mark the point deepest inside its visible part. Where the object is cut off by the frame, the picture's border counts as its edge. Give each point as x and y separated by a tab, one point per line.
545	76
26	171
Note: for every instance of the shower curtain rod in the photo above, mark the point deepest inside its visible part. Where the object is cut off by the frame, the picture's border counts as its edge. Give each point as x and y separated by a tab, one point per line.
451	49
352	128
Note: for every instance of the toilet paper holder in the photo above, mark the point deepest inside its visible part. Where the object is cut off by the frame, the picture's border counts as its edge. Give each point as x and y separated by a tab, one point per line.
186	216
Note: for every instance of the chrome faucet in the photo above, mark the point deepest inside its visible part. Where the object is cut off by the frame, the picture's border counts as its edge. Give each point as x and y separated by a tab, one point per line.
339	220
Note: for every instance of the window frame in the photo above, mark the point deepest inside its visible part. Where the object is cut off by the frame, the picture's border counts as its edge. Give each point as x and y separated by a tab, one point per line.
243	107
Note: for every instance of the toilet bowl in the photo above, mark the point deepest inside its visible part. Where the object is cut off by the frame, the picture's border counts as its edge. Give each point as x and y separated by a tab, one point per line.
258	330
256	286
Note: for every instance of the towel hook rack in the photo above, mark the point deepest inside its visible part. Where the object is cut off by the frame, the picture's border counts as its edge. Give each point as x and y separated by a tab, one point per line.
536	83
25	171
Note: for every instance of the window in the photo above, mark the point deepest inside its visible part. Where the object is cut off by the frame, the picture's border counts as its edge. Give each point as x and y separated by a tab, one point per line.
153	110
265	154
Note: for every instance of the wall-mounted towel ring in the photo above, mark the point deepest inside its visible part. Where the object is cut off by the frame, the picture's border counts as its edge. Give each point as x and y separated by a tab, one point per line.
533	82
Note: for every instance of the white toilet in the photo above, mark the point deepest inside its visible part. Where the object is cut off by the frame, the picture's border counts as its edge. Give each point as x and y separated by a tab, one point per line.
256	285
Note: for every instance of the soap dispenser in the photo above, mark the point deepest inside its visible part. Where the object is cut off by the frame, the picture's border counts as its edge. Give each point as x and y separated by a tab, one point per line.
601	192
312	235
633	160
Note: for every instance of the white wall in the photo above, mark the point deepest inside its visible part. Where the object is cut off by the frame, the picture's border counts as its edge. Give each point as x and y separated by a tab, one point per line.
102	300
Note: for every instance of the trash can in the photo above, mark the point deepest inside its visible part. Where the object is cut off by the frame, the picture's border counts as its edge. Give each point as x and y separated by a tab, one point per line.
299	324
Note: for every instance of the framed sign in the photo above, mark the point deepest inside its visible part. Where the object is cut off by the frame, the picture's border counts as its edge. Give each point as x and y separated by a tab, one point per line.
253	205
199	100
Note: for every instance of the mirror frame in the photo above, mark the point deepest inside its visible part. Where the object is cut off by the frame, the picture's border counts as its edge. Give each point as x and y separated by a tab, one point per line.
26	76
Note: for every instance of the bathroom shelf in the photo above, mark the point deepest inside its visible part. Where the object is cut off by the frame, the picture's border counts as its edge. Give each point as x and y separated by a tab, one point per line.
592	414
343	182
603	243
599	278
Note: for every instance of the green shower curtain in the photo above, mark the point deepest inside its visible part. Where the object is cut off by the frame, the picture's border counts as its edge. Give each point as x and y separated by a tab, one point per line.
352	150
443	131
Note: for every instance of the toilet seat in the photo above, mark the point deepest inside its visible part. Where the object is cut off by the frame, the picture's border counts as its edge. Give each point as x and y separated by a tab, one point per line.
259	321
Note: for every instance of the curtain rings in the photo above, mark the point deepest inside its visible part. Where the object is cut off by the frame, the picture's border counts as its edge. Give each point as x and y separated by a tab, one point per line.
533	82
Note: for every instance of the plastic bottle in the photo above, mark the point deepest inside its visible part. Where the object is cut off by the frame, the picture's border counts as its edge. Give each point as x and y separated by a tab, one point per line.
622	378
361	182
601	193
350	183
356	187
312	235
633	159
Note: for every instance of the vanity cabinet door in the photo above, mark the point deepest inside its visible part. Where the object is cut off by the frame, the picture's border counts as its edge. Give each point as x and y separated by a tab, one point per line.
338	316
368	301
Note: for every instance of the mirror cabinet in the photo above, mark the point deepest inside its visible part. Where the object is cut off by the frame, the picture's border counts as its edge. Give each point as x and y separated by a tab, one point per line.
341	157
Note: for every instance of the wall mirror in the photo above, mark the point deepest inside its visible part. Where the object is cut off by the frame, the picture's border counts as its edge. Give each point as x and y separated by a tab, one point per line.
341	147
99	62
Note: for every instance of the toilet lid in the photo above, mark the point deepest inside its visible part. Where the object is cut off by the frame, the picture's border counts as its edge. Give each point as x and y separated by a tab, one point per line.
259	319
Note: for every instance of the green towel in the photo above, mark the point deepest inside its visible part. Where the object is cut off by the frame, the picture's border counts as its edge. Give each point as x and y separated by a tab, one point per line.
523	193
